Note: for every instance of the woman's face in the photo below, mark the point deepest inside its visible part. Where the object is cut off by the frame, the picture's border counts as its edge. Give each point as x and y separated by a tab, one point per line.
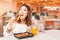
23	12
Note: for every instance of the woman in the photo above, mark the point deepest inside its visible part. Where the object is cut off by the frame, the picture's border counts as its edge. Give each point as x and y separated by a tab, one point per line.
20	23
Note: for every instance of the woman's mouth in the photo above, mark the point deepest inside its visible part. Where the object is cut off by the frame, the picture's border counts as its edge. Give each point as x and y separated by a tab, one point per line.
21	15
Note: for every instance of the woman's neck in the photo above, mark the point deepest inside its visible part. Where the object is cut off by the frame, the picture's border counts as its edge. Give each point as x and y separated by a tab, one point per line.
23	21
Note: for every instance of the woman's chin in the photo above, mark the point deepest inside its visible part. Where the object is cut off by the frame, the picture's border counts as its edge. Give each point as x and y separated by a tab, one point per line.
21	18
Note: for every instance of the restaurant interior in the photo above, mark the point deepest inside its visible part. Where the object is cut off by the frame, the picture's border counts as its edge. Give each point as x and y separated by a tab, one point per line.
51	16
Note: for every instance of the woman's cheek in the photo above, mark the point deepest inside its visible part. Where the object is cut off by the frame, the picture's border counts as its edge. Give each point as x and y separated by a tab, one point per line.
25	14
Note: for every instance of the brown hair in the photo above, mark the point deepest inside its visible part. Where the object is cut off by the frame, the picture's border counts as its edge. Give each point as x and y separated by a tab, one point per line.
28	18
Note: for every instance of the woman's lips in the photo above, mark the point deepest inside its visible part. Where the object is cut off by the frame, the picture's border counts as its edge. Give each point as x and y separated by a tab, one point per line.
21	15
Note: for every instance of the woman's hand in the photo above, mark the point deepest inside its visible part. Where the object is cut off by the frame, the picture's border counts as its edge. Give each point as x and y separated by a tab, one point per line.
9	29
29	29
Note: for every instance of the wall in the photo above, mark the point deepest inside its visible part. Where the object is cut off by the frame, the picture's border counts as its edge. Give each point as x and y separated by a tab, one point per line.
7	6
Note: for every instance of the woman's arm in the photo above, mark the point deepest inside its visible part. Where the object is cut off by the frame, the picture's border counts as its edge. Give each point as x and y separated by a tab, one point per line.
9	25
29	29
9	28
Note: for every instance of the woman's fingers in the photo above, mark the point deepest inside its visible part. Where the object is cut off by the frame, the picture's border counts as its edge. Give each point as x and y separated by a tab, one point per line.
9	29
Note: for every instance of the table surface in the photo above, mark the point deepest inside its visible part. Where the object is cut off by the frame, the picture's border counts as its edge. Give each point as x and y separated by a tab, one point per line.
48	35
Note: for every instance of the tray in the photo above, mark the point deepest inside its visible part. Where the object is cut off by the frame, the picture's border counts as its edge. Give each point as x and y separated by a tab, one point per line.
23	35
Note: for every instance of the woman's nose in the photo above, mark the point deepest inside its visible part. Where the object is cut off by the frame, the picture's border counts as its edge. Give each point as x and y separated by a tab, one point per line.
21	12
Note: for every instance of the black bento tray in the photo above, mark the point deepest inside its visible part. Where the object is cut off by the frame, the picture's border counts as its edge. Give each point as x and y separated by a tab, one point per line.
22	37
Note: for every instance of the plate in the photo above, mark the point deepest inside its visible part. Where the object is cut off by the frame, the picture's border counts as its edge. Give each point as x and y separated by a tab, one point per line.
23	35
